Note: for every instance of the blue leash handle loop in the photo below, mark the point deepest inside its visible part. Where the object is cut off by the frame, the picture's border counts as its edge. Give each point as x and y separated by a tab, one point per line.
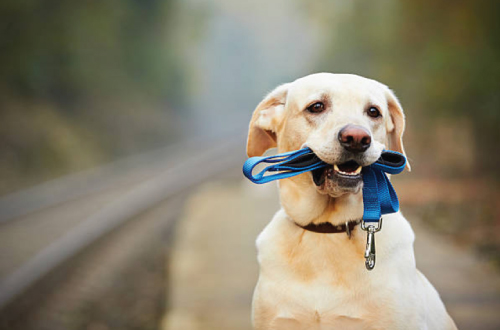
286	164
379	196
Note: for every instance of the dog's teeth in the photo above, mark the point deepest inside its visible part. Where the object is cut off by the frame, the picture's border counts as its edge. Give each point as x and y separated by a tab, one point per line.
353	173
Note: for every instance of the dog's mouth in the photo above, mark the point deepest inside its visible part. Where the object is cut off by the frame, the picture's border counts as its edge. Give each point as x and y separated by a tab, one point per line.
345	175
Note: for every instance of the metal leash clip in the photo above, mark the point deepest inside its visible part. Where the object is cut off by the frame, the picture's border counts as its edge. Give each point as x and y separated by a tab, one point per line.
370	242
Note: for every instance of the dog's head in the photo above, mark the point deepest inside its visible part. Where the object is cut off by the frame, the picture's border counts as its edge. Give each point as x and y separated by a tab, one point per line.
345	119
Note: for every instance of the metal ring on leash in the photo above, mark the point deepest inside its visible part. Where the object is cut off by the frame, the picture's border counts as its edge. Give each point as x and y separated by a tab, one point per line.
370	242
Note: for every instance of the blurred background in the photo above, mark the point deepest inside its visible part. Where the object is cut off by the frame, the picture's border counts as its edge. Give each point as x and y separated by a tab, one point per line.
122	127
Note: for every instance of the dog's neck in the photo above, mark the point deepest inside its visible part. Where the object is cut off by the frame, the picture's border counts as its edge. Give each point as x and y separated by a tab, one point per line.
304	205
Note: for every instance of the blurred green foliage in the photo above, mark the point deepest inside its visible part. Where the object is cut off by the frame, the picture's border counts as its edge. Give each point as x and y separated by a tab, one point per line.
67	50
83	82
440	57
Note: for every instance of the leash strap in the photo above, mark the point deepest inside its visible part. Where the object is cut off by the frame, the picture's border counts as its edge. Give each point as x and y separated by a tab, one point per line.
287	165
379	196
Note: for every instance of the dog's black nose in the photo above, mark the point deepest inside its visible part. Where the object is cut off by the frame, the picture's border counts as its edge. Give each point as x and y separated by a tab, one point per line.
355	138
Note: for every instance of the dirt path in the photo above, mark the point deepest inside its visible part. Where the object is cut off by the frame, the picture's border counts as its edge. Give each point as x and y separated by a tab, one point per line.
213	268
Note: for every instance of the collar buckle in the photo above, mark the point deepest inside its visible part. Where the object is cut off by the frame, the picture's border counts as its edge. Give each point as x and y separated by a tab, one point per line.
347	229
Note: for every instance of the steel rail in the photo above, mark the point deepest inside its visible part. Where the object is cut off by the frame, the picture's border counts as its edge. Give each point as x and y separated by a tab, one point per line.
74	186
188	172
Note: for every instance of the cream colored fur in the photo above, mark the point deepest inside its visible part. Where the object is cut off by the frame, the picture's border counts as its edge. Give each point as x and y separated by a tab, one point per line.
319	281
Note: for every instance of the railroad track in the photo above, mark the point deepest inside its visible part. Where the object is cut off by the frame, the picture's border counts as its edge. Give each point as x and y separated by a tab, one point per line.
84	224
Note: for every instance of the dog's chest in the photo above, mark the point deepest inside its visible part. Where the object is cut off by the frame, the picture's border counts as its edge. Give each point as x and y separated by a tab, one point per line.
318	322
317	282
320	304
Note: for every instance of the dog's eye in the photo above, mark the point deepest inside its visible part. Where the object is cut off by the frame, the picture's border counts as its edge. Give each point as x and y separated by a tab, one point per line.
316	107
373	112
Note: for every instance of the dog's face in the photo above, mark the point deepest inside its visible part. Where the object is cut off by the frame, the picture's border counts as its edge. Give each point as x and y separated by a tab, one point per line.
346	120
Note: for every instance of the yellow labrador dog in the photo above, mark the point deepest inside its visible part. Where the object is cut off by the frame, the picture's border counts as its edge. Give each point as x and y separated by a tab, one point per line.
312	280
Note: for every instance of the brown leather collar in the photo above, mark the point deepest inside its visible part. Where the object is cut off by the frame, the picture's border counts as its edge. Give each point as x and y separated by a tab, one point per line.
328	228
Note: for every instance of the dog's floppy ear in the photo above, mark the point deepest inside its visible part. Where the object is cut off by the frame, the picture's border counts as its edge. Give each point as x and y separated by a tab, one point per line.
396	125
265	120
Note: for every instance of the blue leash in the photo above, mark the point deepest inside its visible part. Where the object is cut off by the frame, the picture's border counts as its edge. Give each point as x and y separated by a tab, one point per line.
379	196
288	164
